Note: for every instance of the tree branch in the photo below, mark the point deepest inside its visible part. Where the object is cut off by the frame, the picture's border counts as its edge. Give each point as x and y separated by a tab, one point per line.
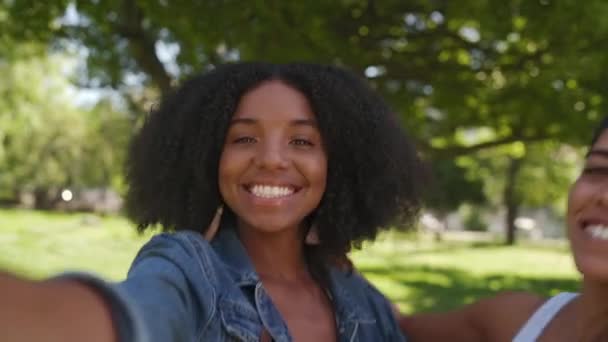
459	150
141	44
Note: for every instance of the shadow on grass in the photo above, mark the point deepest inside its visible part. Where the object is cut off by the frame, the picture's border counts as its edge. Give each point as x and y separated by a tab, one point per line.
428	289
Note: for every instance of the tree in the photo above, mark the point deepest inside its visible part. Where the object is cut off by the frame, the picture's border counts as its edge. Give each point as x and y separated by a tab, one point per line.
466	77
451	186
448	67
46	143
534	176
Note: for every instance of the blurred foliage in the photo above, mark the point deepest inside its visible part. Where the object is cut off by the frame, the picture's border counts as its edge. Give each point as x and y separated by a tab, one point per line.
452	187
547	170
473	219
46	141
524	70
477	83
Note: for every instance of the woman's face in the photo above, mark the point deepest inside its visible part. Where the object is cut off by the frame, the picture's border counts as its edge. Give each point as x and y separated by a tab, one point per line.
588	214
273	167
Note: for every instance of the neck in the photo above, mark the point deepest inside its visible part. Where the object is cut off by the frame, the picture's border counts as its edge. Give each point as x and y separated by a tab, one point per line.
278	256
592	311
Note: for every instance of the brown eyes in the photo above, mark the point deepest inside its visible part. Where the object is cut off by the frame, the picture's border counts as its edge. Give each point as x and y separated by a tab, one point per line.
244	140
302	142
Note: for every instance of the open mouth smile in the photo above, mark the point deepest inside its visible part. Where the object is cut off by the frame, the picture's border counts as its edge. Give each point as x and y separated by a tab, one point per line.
596	230
271	191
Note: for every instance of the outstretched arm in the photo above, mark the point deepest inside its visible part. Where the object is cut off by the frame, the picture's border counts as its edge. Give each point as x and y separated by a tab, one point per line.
55	310
155	303
449	326
496	318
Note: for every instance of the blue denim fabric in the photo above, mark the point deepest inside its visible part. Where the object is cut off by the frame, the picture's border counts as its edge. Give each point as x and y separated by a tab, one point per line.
181	288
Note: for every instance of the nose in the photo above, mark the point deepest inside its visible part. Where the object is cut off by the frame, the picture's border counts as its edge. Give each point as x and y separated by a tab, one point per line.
271	155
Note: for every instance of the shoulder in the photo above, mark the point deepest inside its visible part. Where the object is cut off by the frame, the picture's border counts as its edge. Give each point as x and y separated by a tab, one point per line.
168	292
371	307
364	290
175	244
512	303
369	299
501	316
496	318
183	252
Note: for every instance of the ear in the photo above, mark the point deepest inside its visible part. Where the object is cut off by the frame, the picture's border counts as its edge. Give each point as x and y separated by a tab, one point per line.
312	237
215	224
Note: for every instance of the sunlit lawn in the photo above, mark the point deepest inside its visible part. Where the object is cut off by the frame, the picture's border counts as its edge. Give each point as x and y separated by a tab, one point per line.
417	274
38	244
424	276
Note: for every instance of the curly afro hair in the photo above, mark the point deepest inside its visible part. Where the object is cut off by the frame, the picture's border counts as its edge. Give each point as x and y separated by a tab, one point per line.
373	175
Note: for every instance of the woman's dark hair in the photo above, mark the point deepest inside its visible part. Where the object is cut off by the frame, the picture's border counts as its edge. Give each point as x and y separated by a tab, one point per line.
598	131
373	170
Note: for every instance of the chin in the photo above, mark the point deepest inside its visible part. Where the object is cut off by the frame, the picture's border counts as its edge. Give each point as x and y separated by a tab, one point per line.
270	224
593	268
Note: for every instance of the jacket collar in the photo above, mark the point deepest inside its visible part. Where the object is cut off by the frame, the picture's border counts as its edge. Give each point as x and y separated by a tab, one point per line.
231	251
346	303
348	293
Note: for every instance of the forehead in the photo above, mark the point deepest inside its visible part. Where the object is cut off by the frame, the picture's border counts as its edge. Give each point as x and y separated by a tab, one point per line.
599	150
602	141
274	100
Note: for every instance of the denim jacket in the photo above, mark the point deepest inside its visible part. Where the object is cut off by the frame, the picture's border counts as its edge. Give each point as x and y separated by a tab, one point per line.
182	288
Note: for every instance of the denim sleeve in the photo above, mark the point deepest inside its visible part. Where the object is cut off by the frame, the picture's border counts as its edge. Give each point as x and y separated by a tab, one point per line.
157	302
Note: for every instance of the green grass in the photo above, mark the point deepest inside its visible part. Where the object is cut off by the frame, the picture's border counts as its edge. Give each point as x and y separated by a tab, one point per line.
40	244
418	275
423	276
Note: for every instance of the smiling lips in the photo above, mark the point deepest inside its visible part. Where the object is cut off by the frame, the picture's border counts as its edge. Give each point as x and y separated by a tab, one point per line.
595	227
271	191
597	231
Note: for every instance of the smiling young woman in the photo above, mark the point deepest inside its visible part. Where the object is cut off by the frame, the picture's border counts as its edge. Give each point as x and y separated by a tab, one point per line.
306	162
527	317
272	175
273	168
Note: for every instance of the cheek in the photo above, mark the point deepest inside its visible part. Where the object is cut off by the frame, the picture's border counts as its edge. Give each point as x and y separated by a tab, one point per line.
581	195
226	173
318	168
314	169
570	212
573	202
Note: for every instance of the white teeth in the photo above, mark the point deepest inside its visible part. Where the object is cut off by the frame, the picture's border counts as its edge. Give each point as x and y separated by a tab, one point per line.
268	191
597	231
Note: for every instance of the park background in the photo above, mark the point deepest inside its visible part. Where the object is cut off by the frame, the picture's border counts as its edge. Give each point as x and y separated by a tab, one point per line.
500	97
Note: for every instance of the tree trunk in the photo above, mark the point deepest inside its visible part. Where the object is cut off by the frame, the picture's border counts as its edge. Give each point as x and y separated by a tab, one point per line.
11	200
142	45
41	198
442	217
511	200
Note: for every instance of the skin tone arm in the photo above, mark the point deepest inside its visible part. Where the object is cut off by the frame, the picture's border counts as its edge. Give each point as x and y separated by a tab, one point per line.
52	311
496	318
451	326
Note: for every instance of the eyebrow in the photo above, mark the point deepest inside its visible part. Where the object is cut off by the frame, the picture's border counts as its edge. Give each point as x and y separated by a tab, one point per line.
597	152
304	122
296	122
244	121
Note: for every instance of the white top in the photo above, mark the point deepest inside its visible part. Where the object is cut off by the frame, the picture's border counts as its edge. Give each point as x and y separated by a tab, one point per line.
542	317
